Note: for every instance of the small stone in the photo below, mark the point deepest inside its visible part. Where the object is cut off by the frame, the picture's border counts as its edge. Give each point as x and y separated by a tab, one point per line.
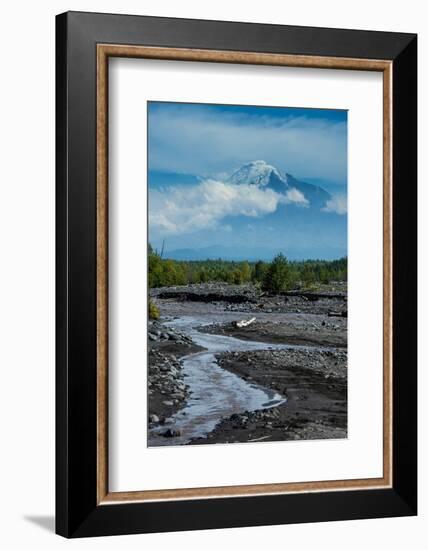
178	395
168	403
172	433
154	418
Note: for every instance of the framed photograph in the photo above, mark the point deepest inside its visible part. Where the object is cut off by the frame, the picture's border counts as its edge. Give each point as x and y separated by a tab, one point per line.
236	274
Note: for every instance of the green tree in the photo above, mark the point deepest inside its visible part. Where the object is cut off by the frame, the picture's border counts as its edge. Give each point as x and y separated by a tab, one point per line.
246	272
325	275
155	270
307	275
202	276
154	312
278	276
230	277
237	276
259	272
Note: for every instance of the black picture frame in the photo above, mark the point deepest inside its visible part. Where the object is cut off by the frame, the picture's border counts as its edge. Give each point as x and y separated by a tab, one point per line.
77	512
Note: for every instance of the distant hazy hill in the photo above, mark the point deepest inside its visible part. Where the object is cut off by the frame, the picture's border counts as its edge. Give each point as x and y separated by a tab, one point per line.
253	253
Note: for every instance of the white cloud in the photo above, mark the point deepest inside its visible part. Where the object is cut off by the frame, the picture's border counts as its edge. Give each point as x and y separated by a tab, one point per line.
294	195
337	204
200	142
185	209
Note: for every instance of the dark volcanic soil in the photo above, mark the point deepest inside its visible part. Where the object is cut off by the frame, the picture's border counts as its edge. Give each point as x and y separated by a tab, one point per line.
325	299
322	333
314	383
313	380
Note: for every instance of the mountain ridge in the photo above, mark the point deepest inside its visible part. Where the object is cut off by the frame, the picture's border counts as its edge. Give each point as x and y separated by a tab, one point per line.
263	253
267	176
300	229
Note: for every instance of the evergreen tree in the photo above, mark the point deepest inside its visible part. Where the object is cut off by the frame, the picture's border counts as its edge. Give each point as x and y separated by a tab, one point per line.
308	275
274	277
278	276
259	273
246	272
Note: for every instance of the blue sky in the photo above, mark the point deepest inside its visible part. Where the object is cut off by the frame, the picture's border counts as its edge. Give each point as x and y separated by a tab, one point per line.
194	148
209	140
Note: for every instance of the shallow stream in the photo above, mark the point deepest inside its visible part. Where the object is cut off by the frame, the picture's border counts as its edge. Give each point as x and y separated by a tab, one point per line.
215	393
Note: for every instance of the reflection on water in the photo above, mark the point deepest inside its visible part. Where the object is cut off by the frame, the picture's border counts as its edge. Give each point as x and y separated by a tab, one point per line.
215	392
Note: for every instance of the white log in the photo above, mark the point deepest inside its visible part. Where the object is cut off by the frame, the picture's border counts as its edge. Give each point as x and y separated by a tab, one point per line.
260	438
244	323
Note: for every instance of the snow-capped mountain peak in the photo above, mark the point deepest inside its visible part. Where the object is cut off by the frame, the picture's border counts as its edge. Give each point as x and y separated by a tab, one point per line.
262	174
257	172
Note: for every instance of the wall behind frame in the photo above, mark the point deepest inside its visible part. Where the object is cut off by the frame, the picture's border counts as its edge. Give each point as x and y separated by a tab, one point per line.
27	271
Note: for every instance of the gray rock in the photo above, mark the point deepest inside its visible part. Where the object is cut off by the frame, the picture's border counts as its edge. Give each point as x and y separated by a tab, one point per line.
178	395
168	403
153	418
172	433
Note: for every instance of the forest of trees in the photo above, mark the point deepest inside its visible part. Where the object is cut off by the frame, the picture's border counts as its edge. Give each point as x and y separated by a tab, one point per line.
276	276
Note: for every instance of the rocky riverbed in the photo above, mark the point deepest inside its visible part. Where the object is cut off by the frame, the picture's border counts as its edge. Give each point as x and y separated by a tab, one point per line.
314	384
167	389
319	332
330	300
282	377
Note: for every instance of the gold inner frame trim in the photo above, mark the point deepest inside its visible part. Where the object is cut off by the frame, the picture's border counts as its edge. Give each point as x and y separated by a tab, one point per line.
104	51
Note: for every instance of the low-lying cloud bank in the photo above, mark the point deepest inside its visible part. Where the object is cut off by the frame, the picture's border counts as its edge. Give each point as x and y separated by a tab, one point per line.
186	209
337	204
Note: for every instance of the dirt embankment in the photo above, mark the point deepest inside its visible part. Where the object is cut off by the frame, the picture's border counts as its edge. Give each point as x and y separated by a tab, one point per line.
314	384
331	299
322	332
